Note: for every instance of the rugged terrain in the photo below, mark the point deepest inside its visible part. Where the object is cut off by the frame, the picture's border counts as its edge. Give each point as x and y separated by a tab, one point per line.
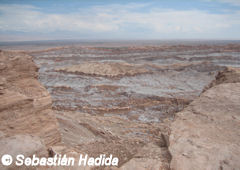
27	122
206	134
140	83
132	102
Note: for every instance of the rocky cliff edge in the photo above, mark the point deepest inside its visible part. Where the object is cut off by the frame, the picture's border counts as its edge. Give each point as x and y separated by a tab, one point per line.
27	121
206	134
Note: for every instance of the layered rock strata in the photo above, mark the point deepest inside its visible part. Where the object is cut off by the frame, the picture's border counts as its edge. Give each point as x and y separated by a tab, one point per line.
25	105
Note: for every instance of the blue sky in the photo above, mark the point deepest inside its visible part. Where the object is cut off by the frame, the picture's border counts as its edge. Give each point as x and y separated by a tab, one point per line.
22	20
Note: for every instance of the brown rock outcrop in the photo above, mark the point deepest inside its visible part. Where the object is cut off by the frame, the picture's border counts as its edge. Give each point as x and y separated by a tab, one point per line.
105	69
206	134
228	75
25	105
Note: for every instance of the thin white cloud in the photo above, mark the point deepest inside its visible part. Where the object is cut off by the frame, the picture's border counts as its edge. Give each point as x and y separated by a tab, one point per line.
118	18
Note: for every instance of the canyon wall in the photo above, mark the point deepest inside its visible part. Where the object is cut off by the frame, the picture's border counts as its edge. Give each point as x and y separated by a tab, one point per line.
27	121
206	134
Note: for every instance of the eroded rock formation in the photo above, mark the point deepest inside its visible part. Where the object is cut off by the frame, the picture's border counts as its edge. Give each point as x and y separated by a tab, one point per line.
26	115
206	134
107	69
228	75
